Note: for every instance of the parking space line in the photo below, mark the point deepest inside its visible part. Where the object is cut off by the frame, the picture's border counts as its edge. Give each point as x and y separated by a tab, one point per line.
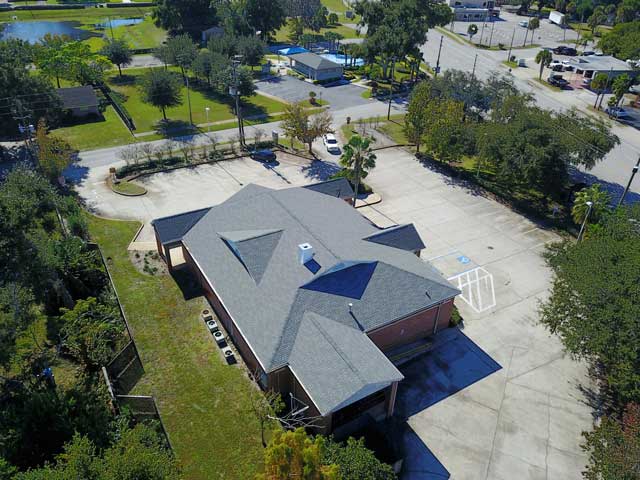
477	287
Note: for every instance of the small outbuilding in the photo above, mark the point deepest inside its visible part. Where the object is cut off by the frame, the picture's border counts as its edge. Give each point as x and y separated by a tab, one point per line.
79	101
315	66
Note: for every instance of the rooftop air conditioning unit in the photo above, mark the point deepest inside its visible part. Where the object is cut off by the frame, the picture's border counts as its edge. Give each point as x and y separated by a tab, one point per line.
305	253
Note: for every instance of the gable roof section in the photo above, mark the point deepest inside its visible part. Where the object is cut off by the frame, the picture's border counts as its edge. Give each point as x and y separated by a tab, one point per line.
337	364
338	187
173	228
253	248
78	97
314	61
404	237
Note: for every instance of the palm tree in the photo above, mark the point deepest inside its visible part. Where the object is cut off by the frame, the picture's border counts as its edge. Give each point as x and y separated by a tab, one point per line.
598	85
600	200
534	24
357	158
544	58
472	30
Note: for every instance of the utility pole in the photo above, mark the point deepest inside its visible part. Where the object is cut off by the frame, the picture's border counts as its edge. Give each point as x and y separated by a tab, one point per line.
110	27
511	45
493	24
357	179
189	100
484	22
235	91
626	190
393	71
473	72
437	61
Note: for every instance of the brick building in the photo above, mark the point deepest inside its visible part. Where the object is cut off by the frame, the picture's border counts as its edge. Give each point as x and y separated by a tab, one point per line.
312	295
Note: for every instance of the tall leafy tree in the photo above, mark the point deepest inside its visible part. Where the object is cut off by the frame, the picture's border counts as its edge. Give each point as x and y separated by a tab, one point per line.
185	16
162	89
118	52
181	51
594	306
355	461
622	41
265	16
293	454
447	136
299	123
417	119
54	153
620	86
614	447
600	200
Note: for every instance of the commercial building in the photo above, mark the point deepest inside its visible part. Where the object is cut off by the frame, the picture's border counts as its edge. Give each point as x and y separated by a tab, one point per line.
79	101
592	65
473	10
313	295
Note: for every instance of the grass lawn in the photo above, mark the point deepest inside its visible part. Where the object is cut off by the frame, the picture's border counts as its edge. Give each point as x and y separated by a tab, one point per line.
141	35
147	116
202	400
128	188
340	8
282	35
88	136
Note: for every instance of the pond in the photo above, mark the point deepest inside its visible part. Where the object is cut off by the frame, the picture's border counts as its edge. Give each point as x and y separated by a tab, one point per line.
120	22
33	32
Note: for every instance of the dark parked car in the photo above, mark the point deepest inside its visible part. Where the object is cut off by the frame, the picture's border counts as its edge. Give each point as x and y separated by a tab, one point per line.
557	81
618	113
265	156
588	53
562	50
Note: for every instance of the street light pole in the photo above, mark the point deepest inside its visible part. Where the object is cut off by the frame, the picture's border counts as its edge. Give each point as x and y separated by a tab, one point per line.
438	61
633	174
393	68
511	45
206	112
584	222
493	24
473	72
189	100
235	91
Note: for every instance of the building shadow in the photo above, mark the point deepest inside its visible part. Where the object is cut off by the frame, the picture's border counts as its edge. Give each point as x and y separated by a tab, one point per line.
187	282
454	363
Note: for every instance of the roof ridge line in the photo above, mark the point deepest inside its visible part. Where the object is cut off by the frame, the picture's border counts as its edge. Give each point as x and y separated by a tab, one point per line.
333	344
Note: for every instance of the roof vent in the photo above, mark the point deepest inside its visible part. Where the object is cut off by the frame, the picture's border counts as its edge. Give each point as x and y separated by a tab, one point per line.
305	253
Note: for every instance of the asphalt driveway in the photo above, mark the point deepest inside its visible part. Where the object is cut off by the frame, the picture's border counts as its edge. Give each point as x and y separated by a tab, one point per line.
291	89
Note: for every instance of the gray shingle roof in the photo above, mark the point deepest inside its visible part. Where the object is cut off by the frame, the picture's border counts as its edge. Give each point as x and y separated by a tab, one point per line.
174	227
404	237
78	97
314	61
338	187
289	310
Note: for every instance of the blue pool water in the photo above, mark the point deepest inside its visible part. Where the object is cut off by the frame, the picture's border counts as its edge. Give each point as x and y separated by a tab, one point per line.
340	58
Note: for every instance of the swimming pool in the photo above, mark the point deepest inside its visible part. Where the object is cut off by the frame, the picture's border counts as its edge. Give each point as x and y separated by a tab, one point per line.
340	58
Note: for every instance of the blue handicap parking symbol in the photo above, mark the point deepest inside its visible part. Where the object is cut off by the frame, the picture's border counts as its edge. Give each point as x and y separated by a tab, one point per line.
464	260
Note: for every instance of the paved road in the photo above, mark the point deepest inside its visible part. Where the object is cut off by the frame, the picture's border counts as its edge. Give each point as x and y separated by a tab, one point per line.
613	171
110	156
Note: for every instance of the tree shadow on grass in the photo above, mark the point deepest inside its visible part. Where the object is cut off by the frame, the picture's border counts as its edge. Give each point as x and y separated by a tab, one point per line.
123	80
173	128
248	109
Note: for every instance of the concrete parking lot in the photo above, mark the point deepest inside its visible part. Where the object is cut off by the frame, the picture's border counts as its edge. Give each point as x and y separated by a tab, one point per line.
498	399
293	90
521	420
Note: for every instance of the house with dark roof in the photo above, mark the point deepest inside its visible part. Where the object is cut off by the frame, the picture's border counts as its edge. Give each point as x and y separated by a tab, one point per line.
315	66
79	101
313	295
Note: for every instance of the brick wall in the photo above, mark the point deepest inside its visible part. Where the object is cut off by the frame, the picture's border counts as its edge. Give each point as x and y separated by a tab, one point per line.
412	328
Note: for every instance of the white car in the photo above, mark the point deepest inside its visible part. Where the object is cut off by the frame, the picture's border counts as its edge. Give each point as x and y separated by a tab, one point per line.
524	23
556	66
331	143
